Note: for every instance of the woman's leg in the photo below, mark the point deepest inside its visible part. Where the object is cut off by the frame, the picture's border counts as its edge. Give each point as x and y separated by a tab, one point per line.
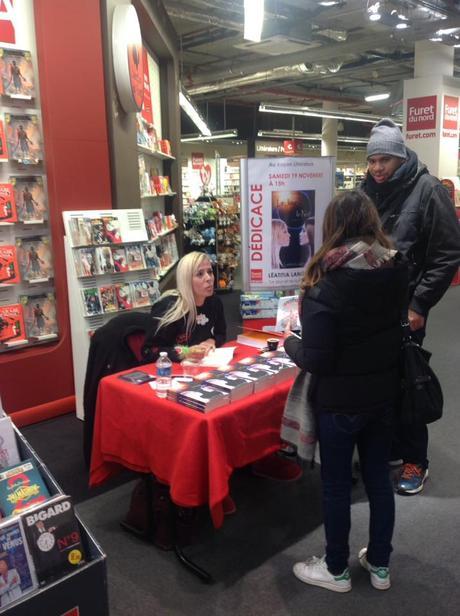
374	444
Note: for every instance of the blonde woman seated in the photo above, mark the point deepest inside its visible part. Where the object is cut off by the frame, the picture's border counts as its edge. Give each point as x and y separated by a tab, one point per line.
280	239
188	321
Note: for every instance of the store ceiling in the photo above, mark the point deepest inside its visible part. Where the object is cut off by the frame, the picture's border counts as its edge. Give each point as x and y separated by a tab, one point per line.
309	53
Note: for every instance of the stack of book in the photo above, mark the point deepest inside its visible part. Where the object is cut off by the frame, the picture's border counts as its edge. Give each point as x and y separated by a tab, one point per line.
203	397
261	375
234	385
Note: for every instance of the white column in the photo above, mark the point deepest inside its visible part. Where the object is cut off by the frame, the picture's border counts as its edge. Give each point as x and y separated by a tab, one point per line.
329	132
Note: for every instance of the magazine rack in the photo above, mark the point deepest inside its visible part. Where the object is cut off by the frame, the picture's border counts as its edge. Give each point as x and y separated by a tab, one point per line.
82	592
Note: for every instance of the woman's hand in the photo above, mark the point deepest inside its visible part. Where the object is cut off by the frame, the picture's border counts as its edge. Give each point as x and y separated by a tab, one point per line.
198	351
416	321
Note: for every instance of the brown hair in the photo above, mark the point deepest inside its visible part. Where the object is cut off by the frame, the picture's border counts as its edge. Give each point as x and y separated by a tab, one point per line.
350	215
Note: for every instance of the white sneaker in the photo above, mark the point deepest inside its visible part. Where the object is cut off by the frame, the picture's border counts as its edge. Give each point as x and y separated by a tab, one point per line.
314	571
380	576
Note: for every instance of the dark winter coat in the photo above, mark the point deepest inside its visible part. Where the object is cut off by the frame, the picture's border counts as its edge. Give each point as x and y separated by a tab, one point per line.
351	338
418	214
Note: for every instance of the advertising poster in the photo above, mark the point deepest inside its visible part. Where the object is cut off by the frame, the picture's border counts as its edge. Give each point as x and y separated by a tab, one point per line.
283	204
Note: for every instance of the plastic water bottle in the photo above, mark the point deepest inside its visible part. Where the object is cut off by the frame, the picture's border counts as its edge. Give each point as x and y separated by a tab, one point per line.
164	369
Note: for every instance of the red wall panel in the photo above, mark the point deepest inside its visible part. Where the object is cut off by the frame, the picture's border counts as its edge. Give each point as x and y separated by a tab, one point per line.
69	48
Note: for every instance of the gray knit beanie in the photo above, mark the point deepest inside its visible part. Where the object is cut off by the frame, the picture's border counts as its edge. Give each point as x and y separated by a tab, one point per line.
386	138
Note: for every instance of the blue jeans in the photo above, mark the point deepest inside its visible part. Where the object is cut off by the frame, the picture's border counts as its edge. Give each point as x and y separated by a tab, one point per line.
338	434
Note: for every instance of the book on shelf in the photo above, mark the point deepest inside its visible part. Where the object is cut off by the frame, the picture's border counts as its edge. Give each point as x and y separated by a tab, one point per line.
85	262
9	267
140	293
12	328
124	296
17	74
30	196
203	397
3	143
21	487
120	263
40	315
80	231
134	257
17	572
35	258
53	537
109	301
104	260
112	231
24	138
98	232
8	211
91	301
9	453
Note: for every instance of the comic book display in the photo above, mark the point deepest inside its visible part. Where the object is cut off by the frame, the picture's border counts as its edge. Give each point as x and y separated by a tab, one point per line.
12	329
91	301
85	262
17	74
30	197
35	258
108	299
9	268
8	212
24	138
21	487
40	315
124	298
17	575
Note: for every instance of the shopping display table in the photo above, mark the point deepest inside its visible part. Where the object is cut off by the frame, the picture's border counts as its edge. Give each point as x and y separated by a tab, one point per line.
194	453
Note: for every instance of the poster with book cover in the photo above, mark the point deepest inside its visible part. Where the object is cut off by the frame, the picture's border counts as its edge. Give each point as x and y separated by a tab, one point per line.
8	212
80	231
108	298
85	262
9	268
30	196
40	315
12	328
120	263
17	573
3	143
112	229
21	487
34	254
124	297
91	301
134	257
104	260
54	540
24	138
17	74
9	453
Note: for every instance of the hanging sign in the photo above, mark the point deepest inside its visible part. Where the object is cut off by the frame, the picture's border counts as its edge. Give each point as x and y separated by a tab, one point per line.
292	146
127	57
205	174
283	203
197	160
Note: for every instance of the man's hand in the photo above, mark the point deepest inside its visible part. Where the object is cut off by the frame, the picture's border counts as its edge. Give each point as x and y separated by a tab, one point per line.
416	321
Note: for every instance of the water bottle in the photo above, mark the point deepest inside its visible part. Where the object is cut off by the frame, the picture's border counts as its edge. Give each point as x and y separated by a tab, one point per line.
164	369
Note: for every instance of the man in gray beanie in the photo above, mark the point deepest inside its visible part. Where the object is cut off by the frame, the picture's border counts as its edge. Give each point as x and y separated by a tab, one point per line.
418	214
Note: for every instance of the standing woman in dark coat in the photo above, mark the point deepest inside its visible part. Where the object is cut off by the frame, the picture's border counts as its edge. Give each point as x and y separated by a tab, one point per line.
353	294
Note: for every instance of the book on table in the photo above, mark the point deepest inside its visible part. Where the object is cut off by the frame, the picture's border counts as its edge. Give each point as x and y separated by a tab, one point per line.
203	397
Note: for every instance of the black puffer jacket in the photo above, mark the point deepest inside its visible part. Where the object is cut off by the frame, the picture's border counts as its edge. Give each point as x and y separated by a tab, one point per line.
418	214
351	338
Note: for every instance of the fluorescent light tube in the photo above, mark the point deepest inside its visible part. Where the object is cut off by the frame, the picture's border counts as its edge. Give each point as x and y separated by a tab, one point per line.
377	97
223	134
318	113
253	20
193	114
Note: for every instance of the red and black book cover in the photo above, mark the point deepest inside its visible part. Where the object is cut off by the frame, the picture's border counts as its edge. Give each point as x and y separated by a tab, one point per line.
3	143
8	212
12	327
9	268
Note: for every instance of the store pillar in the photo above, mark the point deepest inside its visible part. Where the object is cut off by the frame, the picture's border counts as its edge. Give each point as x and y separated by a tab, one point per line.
329	132
431	101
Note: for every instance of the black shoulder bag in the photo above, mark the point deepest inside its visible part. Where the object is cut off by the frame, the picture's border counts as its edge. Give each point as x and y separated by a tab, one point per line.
422	399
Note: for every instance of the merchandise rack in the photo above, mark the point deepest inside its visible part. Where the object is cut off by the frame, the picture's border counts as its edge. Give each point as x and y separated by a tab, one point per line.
82	592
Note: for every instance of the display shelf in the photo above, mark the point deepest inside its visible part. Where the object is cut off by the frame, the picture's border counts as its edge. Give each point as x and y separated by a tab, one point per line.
155	153
151	196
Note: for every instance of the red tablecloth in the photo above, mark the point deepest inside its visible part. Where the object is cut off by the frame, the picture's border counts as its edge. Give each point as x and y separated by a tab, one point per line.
195	453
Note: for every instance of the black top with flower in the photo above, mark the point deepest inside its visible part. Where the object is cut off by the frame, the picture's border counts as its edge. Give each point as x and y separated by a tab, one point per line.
210	323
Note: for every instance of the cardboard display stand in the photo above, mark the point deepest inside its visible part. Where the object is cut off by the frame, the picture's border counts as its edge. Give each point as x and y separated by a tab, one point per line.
82	592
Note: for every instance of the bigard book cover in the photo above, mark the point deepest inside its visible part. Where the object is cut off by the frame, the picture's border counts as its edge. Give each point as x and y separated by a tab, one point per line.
12	329
9	268
8	212
21	487
54	539
17	575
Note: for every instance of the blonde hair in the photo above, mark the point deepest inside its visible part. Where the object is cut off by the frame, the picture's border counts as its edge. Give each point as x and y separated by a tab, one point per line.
351	215
278	227
185	304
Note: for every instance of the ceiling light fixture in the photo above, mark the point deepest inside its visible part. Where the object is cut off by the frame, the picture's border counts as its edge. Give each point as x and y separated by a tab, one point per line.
328	3
319	113
377	97
193	113
289	134
253	20
218	134
374	11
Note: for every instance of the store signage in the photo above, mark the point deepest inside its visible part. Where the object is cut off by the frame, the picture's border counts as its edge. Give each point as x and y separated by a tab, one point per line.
282	210
197	160
450	116
7	19
205	174
421	113
127	54
292	146
147	112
